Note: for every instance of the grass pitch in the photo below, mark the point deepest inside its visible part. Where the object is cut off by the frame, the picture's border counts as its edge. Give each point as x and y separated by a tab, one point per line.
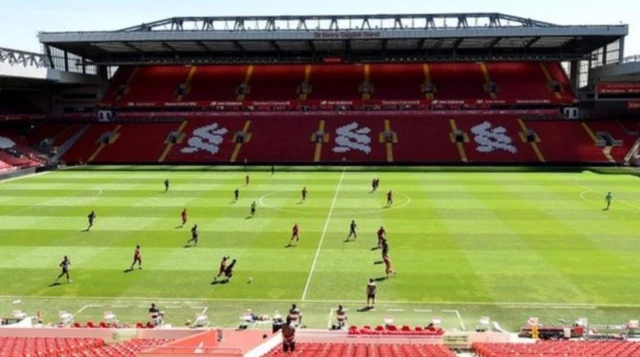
465	244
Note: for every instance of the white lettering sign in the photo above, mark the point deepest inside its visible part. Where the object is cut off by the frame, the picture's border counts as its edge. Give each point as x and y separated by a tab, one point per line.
207	138
490	139
350	137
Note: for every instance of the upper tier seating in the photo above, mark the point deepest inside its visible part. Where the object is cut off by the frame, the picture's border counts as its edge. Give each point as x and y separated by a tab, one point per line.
559	349
517	81
395	82
364	350
520	81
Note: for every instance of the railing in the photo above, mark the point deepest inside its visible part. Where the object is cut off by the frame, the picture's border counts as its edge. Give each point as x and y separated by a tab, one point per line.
23	58
631	59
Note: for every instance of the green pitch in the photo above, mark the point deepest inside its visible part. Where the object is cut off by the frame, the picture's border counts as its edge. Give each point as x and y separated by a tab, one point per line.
464	244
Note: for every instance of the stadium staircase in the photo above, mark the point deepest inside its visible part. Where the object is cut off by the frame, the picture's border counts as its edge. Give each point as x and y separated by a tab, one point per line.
66	139
559	349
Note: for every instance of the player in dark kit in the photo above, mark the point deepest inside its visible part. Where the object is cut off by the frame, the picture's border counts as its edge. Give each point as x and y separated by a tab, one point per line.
228	271
295	234
194	235
385	247
352	230
246	180
222	269
253	208
91	217
184	216
273	170
382	236
64	265
236	195
137	258
373	185
304	194
389	198
166	185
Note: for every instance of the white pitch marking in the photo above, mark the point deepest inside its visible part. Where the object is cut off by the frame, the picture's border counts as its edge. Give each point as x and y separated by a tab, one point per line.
84	308
53	199
459	318
588	189
586	307
395	310
390	302
120	306
324	232
330	317
422	310
173	307
25	176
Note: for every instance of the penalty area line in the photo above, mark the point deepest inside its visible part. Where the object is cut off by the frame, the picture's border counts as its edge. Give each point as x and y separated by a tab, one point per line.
324	232
173	300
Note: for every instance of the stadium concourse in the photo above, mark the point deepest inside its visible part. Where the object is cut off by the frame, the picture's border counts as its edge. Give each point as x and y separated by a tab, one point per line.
301	161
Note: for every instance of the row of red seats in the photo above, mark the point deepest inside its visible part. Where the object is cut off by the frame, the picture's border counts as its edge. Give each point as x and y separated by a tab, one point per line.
131	348
76	347
30	346
395	330
559	349
5	168
365	350
103	324
450	81
292	139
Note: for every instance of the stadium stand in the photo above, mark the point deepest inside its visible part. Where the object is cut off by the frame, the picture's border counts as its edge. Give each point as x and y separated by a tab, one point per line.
352	138
64	346
276	82
559	348
514	82
364	350
216	83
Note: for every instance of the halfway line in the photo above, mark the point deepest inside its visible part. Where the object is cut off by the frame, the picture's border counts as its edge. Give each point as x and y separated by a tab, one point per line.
324	232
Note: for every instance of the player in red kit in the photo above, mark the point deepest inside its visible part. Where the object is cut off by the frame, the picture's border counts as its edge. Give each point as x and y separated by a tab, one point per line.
389	198
382	236
137	258
223	267
304	194
295	234
184	217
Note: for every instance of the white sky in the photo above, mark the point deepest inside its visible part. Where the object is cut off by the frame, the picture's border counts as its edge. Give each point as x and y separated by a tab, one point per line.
20	20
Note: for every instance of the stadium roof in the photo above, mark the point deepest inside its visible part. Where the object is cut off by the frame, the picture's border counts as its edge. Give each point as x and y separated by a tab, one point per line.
410	37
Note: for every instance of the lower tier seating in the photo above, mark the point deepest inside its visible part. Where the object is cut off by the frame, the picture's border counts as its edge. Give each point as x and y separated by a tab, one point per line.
364	350
559	349
73	347
352	138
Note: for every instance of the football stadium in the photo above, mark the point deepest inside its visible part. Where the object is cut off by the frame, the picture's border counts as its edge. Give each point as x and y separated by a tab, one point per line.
462	184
